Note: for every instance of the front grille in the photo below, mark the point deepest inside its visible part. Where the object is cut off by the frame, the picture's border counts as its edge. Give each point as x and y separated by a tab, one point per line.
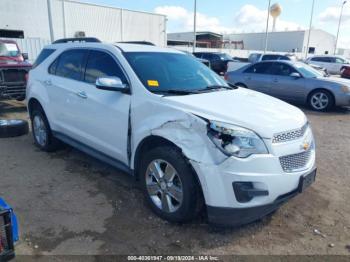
290	135
6	242
296	162
14	75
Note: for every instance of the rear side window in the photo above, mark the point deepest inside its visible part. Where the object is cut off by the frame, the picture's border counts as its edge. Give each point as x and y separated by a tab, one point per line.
270	57
101	64
260	68
70	64
45	53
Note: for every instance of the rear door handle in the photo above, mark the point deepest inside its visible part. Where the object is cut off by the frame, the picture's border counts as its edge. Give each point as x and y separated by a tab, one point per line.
82	94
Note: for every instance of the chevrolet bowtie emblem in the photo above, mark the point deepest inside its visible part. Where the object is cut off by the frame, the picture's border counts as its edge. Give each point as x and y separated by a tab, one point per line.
305	146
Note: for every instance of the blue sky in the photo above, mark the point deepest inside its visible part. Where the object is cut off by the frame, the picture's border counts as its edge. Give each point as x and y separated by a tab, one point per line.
243	15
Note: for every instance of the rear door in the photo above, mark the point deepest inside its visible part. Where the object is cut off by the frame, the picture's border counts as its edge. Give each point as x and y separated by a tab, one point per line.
63	85
284	86
256	78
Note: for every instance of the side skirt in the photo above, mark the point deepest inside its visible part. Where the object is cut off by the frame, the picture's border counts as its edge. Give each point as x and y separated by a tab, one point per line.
94	153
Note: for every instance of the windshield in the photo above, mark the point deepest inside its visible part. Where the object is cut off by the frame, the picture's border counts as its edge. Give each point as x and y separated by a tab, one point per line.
9	49
161	72
307	71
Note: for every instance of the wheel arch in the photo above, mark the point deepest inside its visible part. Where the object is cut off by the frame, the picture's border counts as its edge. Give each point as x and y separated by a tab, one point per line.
153	141
33	103
320	89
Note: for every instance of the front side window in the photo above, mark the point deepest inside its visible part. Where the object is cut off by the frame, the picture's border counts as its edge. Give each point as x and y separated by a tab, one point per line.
101	64
281	69
161	72
9	50
70	64
259	68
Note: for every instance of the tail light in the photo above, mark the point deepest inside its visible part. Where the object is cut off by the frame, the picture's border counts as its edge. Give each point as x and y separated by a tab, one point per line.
6	237
226	76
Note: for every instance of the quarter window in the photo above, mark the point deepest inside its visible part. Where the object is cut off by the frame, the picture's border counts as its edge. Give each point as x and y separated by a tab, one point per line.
101	64
70	64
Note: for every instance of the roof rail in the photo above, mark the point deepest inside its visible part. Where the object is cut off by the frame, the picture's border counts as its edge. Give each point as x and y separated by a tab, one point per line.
77	39
137	42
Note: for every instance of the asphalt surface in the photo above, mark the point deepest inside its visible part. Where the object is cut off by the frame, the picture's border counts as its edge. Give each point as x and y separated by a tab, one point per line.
68	203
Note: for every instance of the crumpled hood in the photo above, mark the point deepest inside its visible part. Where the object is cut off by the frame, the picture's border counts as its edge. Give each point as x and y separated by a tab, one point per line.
256	111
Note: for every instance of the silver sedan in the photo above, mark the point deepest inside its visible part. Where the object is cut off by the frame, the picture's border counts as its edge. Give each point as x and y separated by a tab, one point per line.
294	82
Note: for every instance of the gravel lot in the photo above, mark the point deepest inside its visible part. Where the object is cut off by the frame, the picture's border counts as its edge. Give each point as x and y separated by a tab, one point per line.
69	203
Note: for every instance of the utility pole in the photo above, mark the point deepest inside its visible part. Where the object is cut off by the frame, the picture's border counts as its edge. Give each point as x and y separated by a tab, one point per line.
49	13
341	14
194	26
310	27
267	26
64	19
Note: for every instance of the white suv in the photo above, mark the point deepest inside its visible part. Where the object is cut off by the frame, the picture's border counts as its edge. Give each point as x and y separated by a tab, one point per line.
189	138
333	64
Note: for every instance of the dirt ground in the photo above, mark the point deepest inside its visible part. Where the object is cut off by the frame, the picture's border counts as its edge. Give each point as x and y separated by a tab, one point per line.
69	204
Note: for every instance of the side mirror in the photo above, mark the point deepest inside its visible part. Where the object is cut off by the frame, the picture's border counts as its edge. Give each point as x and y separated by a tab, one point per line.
25	56
111	83
295	75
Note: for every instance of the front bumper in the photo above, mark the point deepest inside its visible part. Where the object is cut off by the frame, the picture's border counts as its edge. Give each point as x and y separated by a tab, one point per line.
241	216
343	100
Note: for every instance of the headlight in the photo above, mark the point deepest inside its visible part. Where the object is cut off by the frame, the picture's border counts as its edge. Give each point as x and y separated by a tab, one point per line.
345	89
235	141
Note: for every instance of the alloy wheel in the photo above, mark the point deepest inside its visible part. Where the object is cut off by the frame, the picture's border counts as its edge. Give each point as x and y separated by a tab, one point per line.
319	101
40	131
164	186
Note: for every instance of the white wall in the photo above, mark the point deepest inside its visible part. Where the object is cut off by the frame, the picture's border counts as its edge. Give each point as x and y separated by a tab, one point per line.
106	23
322	41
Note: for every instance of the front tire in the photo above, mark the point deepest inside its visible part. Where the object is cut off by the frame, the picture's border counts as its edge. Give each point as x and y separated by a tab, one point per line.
169	185
42	133
321	100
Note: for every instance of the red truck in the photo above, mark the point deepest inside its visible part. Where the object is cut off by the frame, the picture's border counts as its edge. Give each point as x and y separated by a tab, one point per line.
345	72
13	71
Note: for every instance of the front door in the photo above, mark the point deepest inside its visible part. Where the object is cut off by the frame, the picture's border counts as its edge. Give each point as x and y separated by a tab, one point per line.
104	116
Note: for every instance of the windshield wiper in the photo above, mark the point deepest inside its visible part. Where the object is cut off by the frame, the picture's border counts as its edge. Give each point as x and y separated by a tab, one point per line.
215	87
176	92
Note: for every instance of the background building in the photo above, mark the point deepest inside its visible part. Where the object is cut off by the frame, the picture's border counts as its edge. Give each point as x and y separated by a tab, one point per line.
53	19
321	42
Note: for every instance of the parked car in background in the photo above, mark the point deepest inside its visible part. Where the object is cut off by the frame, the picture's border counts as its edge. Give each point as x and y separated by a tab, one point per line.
345	72
13	71
218	61
333	64
188	137
294	82
321	69
257	57
204	61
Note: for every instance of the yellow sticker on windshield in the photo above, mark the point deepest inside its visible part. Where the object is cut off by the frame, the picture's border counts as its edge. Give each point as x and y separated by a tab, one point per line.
153	83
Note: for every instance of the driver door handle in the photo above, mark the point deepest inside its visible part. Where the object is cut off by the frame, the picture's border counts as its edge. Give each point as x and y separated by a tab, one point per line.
82	94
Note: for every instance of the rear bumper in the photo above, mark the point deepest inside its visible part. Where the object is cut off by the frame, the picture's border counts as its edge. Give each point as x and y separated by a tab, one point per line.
235	217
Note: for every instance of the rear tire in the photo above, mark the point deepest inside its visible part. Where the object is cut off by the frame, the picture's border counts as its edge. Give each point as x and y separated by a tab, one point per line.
13	128
42	132
178	199
321	100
